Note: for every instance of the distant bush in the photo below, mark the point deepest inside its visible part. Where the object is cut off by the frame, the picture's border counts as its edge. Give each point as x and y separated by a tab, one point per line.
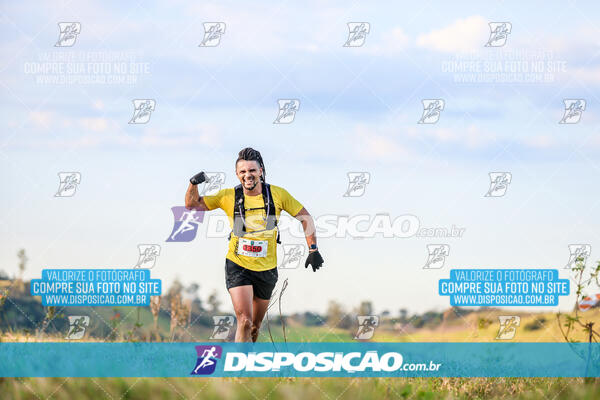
536	324
483	323
430	319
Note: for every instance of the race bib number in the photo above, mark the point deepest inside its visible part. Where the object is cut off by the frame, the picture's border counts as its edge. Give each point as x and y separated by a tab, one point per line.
252	248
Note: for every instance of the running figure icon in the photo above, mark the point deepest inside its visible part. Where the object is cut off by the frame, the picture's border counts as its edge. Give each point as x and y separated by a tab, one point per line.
207	359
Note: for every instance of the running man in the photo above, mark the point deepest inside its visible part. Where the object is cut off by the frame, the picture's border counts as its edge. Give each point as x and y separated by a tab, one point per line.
207	361
253	208
189	220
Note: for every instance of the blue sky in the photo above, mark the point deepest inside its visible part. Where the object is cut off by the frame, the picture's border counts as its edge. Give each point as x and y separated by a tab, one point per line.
359	111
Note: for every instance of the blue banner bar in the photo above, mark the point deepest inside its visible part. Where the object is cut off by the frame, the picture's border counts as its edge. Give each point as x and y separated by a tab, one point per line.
504	287
299	359
96	287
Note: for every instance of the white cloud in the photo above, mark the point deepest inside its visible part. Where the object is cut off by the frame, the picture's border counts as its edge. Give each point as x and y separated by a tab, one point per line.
540	141
201	135
247	29
472	136
41	119
266	29
585	75
98	105
372	145
398	37
94	124
463	35
389	43
443	134
204	135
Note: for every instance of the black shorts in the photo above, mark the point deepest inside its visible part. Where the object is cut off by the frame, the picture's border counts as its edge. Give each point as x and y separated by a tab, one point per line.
263	282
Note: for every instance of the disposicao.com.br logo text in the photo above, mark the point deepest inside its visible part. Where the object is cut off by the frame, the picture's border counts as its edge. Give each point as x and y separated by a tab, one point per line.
370	361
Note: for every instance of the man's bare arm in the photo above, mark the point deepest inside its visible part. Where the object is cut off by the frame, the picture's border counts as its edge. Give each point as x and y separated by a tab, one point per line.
308	225
193	199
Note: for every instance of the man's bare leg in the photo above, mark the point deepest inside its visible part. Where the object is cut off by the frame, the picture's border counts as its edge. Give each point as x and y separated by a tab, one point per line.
241	297
259	308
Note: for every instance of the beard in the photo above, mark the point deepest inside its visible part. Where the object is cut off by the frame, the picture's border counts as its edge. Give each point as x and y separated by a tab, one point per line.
254	183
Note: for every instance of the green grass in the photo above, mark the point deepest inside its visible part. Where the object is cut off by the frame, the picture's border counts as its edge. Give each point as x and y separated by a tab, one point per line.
458	329
300	388
304	334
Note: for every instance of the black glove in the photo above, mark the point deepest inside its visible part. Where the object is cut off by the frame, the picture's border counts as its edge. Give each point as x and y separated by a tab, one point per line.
315	260
198	178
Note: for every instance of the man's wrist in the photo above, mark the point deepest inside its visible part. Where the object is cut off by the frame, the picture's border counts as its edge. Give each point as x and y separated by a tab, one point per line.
312	248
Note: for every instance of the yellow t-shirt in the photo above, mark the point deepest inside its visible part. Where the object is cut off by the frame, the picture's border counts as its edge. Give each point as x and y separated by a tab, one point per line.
254	221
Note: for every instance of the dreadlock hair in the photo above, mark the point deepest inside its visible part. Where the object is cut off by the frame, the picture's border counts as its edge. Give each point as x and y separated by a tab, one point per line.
249	154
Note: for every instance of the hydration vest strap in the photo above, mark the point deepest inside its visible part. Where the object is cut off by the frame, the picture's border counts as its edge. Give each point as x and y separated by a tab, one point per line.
239	211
